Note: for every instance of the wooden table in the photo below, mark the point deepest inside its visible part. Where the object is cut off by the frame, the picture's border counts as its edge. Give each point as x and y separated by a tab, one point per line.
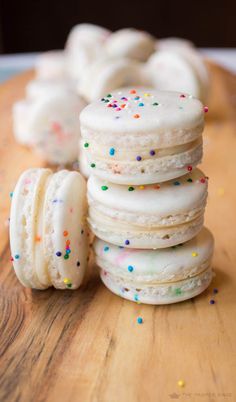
85	345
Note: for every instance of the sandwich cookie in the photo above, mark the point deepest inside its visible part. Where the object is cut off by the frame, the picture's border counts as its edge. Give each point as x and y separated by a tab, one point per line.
51	65
112	74
130	43
48	235
161	276
142	136
50	124
85	44
151	216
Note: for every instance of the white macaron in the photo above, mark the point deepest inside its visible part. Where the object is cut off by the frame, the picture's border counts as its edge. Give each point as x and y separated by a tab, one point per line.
106	75
51	65
161	276
48	235
48	122
130	43
151	216
142	136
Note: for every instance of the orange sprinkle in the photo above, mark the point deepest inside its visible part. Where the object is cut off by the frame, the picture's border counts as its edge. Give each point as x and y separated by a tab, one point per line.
136	116
65	233
157	187
132	91
123	105
38	238
67	243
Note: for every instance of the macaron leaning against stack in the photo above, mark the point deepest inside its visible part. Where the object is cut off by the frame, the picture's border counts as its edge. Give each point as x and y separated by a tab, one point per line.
161	276
51	65
150	216
48	234
142	136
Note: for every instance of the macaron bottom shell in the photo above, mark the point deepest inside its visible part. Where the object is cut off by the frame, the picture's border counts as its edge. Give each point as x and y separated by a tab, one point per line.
162	293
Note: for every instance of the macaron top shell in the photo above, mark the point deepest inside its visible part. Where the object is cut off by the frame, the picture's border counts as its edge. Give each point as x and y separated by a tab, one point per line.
173	116
163	265
169	198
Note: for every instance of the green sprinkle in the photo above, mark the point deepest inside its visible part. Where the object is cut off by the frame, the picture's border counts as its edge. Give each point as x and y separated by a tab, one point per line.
104	188
155	104
93	165
190	180
86	145
109	95
131	189
178	291
11	194
66	256
69	285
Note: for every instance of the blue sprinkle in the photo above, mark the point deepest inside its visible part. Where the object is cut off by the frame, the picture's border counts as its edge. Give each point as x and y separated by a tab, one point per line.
17	256
176	183
68	251
58	253
138	158
136	298
112	151
212	301
130	268
127	242
215	291
11	194
106	248
141	104
121	246
137	98
139	320
152	152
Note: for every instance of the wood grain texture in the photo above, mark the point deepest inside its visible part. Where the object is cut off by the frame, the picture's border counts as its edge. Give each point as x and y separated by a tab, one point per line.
85	345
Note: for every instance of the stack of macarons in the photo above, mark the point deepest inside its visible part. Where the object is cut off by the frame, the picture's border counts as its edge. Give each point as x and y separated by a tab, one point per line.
146	195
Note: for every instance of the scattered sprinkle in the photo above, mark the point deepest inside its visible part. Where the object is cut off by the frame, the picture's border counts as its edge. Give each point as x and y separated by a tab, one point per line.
86	145
132	91
178	291
152	152
58	254
38	238
203	180
176	183
78	263
194	254
66	256
147	94
93	165
106	248
182	96
181	383
205	109
136	116
139	320
155	104
17	256
112	151
127	242
131	188
11	194
138	158
190	180
104	188
141	104
141	187
136	298
130	268
190	168
212	301
215	290
109	95
65	233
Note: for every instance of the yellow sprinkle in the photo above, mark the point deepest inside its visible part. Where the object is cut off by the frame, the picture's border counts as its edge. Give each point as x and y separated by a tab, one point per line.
220	191
141	187
146	94
194	254
181	383
66	281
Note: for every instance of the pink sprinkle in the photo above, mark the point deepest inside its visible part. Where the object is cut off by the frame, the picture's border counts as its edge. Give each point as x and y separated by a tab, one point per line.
182	96
56	126
205	109
118	109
